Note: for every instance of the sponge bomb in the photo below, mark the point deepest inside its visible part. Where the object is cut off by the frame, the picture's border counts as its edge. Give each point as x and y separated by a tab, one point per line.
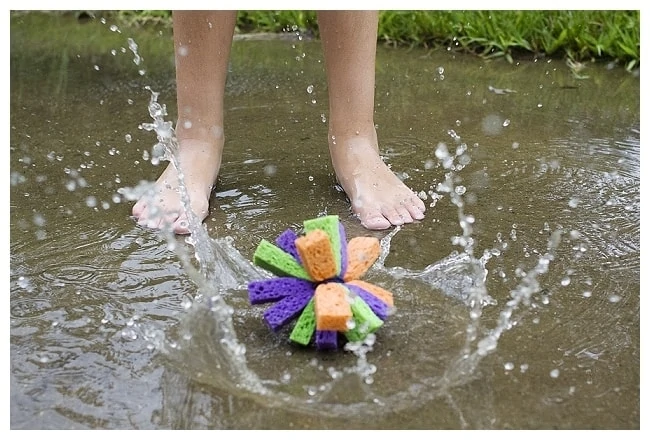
318	285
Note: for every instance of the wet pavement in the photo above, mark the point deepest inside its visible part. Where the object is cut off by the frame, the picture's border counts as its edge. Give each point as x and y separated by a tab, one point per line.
111	328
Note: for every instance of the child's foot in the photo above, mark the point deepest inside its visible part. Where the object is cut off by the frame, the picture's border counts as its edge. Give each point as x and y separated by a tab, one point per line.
378	197
199	162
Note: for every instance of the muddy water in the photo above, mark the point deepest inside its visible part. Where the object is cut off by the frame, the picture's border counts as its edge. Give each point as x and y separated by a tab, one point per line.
111	328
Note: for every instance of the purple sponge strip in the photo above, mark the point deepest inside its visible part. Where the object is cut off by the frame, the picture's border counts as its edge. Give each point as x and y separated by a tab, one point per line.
378	307
344	250
286	309
326	339
287	242
276	288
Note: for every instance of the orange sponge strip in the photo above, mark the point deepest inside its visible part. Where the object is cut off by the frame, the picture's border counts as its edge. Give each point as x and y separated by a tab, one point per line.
380	293
316	254
332	307
362	253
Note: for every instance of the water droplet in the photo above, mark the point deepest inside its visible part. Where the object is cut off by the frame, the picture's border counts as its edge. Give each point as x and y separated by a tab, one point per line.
270	170
492	125
158	151
441	151
24	283
555	373
127	138
486	345
310	88
39	220
17	178
614	298
565	281
134	48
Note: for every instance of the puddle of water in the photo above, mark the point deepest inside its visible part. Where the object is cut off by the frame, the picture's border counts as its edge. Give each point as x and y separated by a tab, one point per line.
499	330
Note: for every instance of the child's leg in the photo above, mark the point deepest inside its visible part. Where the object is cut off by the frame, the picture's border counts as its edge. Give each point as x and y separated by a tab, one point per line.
202	42
378	197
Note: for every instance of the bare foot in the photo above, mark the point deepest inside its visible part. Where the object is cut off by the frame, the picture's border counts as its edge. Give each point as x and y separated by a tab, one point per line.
378	197
199	162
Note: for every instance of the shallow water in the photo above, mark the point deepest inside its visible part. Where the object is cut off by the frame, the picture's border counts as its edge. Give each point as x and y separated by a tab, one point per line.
110	329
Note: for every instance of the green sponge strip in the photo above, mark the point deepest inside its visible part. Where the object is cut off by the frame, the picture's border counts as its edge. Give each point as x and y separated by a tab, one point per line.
365	321
305	326
330	225
270	257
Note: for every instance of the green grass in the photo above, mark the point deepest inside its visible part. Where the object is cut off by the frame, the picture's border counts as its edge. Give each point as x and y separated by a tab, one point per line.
578	36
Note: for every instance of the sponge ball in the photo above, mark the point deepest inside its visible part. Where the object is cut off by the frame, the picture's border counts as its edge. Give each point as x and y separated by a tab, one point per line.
318	284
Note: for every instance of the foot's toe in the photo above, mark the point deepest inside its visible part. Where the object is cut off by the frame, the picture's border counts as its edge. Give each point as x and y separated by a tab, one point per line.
393	216
404	215
152	223
375	220
416	208
138	208
181	226
412	208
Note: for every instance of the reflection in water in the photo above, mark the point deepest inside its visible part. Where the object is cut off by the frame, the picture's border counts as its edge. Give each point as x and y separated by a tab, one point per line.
517	297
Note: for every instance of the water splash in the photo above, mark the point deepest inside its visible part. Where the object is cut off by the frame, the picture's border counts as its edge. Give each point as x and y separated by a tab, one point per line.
461	275
137	59
218	270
